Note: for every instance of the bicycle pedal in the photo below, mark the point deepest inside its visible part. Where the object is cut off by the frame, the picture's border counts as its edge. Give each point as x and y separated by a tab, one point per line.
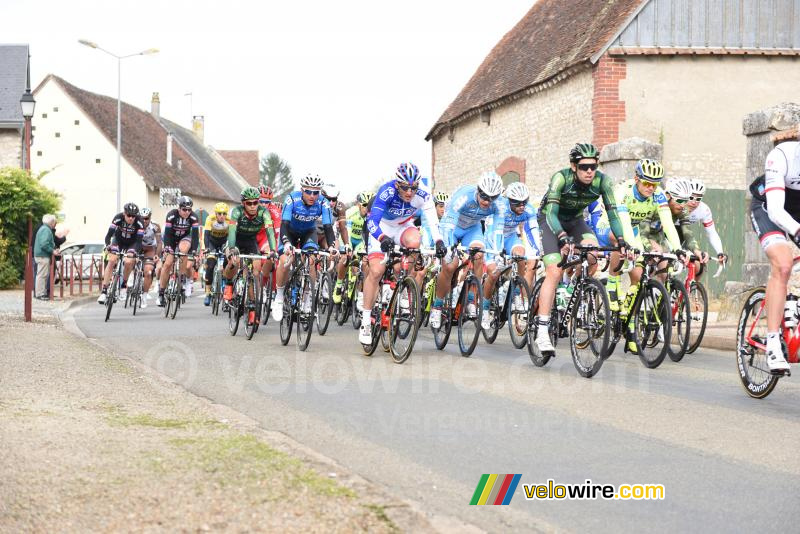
781	373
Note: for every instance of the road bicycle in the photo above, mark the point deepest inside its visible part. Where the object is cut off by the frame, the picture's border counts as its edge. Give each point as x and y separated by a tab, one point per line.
462	305
347	307
324	291
174	294
751	341
246	298
116	283
216	283
298	300
267	296
135	289
584	319
698	303
509	303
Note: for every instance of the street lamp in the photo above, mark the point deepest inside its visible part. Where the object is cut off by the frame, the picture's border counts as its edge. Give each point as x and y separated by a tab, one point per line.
149	51
28	104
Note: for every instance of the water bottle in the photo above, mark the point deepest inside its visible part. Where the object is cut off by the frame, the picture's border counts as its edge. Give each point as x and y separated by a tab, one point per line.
360	301
562	296
503	291
790	312
294	295
386	293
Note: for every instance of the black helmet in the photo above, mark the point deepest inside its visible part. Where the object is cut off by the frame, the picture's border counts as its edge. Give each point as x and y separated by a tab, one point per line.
185	202
583	151
131	209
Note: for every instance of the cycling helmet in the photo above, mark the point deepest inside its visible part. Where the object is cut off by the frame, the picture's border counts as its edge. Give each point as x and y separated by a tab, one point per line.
679	188
265	191
583	151
311	180
518	192
220	207
490	183
697	187
364	197
131	209
330	191
407	173
650	170
250	193
145	213
185	202
441	197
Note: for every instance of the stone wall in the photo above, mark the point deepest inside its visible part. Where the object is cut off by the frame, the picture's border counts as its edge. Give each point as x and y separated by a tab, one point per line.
10	148
539	129
618	160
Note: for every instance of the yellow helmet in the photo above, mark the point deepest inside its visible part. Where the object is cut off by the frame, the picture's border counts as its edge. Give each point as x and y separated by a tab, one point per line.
220	207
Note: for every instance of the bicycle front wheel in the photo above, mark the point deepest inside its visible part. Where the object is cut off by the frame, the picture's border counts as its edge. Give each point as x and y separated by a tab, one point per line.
538	358
469	320
589	338
288	314
751	359
698	307
251	306
305	317
495	307
324	299
519	302
111	294
681	320
653	324
403	324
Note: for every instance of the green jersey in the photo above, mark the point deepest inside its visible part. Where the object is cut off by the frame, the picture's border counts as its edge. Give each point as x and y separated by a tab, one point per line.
249	228
355	224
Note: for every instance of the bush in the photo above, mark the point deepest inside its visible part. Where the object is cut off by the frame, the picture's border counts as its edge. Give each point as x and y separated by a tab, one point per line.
20	194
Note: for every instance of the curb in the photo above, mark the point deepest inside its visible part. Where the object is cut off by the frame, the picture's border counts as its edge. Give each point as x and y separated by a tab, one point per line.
718	342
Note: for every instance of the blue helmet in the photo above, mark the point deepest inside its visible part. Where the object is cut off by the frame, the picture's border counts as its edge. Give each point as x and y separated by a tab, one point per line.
407	172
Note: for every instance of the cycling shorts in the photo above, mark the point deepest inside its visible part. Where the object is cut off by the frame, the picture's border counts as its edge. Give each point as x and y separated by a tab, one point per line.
395	231
306	240
576	228
768	232
469	236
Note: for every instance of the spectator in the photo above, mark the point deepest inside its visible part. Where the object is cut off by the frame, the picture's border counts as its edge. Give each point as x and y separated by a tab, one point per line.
43	249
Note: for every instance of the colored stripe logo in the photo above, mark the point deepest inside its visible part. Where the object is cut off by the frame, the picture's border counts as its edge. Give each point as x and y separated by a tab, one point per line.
495	489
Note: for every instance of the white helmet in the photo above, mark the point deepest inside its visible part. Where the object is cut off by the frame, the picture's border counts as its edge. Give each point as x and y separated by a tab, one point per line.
330	191
311	180
490	183
697	186
679	188
518	191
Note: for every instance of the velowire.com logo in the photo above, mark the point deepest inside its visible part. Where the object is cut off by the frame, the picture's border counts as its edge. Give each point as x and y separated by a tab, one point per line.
495	489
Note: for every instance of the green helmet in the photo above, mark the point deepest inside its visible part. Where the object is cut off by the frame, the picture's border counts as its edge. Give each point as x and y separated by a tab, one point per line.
441	197
583	151
364	197
250	193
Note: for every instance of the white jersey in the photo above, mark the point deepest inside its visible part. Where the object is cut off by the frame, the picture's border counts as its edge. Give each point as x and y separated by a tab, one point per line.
781	188
702	214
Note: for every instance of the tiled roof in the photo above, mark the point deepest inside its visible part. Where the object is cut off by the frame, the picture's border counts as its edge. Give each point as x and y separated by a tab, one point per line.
144	146
245	162
13	81
552	37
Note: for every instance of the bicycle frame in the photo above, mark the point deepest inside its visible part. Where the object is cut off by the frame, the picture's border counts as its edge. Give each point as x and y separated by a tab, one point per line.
790	335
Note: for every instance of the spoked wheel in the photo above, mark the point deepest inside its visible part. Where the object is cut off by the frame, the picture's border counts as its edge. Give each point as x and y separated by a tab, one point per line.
537	357
751	360
518	311
375	317
305	317
175	294
426	302
216	293
653	324
469	320
355	313
341	311
403	324
681	320
251	306
324	300
589	333
266	298
698	307
442	334
235	308
111	294
288	315
495	308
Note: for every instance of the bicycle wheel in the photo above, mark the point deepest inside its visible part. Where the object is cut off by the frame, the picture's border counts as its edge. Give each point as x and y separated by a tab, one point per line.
235	307
442	334
518	311
324	300
305	317
375	317
266	298
698	307
250	305
589	336
537	357
751	360
403	324
653	324
495	308
469	320
355	313
175	294
288	314
681	320
216	292
111	294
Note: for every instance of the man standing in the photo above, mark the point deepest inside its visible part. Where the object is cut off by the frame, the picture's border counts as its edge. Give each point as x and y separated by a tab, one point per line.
43	248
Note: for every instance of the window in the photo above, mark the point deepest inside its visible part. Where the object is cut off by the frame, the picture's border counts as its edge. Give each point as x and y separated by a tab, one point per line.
510	177
44	115
38	152
77	122
33	128
97	160
58	134
55	109
77	147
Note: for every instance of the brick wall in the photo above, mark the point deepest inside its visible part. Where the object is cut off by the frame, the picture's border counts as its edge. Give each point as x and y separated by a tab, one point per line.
538	129
10	148
608	111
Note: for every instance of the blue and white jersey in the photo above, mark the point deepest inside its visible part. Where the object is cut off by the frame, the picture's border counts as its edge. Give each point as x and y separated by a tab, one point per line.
463	211
512	221
388	207
301	217
593	213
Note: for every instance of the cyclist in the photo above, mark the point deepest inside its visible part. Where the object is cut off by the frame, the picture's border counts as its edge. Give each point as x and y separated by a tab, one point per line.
249	232
215	237
439	201
774	213
699	212
181	232
561	222
356	217
330	197
124	236
266	199
519	212
151	249
301	210
390	222
469	206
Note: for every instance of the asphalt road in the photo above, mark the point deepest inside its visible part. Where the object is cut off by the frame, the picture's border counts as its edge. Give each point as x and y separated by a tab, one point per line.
428	429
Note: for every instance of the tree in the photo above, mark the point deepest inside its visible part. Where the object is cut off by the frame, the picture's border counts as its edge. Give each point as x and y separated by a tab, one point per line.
277	174
20	194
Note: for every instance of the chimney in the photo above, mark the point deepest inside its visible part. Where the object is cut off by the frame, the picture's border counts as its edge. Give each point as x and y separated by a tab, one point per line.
155	107
169	149
197	126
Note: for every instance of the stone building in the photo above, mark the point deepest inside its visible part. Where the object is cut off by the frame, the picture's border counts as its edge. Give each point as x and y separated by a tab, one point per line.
679	73
14	69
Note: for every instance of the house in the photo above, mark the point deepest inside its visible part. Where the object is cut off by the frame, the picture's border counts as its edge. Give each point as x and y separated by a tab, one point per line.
14	73
682	73
76	147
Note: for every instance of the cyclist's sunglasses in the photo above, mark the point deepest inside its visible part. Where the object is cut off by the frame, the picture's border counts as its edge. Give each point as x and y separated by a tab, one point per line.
680	201
264	200
517	203
184	209
487	198
311	192
251	202
696	198
648	183
406	187
332	199
587	166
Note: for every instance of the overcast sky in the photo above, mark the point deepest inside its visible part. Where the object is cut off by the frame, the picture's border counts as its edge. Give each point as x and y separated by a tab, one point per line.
345	89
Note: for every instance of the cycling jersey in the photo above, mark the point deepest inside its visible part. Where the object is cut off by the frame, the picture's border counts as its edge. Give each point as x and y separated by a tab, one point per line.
389	208
337	216
245	228
701	214
125	235
511	225
275	213
178	228
300	218
149	237
779	187
463	211
355	225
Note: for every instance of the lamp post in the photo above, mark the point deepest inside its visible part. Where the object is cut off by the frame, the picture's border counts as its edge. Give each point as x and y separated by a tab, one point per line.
28	104
149	51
